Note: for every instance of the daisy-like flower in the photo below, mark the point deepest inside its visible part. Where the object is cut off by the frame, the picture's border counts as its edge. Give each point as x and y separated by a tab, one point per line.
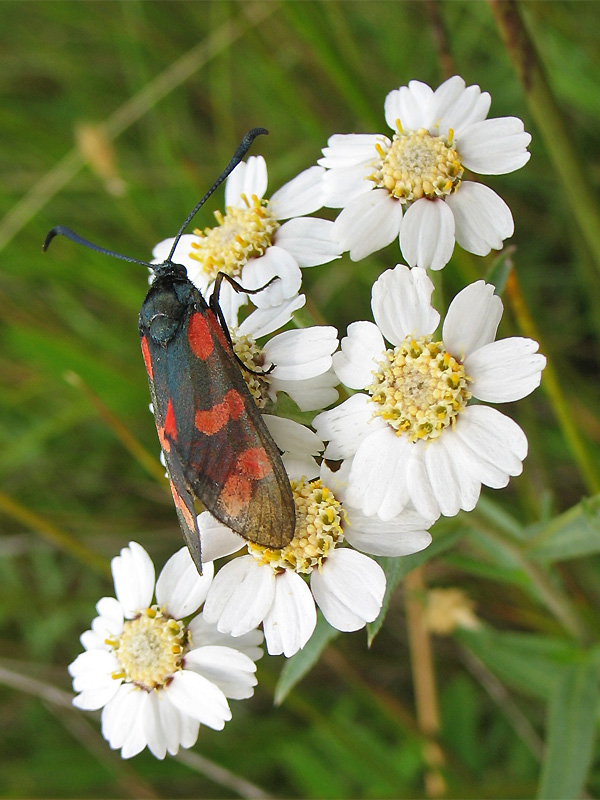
156	678
281	587
412	434
251	243
413	186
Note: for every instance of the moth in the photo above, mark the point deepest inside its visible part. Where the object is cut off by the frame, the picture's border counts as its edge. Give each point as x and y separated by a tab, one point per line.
216	445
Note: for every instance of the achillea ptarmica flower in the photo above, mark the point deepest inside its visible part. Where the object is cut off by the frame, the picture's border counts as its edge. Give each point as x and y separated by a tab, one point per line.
155	677
281	587
251	243
414	185
412	435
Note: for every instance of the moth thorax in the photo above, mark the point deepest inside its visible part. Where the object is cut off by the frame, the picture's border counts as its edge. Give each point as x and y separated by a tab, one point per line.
150	649
419	388
319	518
416	165
252	357
242	234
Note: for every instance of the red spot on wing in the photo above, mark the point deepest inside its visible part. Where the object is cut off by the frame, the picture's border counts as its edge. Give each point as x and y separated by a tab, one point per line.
199	336
164	442
181	506
215	418
147	359
254	463
170	430
235	495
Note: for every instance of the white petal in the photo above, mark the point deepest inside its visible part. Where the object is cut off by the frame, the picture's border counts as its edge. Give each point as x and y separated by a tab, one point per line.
472	319
340	186
206	633
169	721
198	697
445	97
217	539
401	303
301	353
345	426
482	218
275	262
362	350
111	610
152	723
300	467
349	589
133	573
293	437
409	104
368	223
292	618
351	149
96	698
494	438
263	321
506	370
310	241
494	146
470	107
240	596
302	195
427	234
93	669
309	394
405	534
179	586
121	718
230	670
377	481
451	489
181	255
248	178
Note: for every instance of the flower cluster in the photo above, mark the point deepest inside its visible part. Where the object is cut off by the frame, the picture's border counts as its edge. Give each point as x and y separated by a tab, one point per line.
413	439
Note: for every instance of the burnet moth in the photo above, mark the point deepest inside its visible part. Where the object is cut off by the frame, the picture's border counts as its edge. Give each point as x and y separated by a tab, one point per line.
216	446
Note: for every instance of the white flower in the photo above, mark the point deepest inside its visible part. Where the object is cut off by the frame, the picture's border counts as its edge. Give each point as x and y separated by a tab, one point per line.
419	171
411	436
251	244
281	587
155	678
302	357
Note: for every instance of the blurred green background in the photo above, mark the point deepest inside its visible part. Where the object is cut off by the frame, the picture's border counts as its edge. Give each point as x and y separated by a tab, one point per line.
115	118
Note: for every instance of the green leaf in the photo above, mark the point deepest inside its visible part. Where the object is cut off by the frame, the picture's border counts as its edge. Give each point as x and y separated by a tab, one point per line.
571	731
573	534
299	665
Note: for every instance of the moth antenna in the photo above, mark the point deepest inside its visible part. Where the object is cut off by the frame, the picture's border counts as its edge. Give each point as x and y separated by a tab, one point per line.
61	230
240	152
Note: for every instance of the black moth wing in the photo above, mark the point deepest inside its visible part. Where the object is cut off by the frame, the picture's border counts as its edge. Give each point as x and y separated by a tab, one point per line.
217	447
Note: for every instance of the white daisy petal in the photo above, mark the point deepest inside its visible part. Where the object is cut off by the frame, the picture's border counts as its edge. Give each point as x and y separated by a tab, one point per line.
196	696
427	234
302	195
300	467
291	436
506	370
361	351
401	303
168	721
97	697
118	716
292	618
347	183
179	588
444	98
248	178
275	263
404	534
495	146
232	671
409	104
302	353
368	223
349	589
263	321
494	437
345	426
309	394
217	539
206	633
472	319
133	574
418	487
482	218
310	241
240	596
351	149
470	107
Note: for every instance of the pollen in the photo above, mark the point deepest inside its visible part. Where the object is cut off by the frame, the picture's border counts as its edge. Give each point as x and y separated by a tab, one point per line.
151	649
251	356
241	234
417	165
419	389
319	517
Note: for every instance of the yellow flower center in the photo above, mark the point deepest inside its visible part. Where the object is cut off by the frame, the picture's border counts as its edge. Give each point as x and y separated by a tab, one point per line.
251	355
243	233
150	649
318	530
419	388
417	165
